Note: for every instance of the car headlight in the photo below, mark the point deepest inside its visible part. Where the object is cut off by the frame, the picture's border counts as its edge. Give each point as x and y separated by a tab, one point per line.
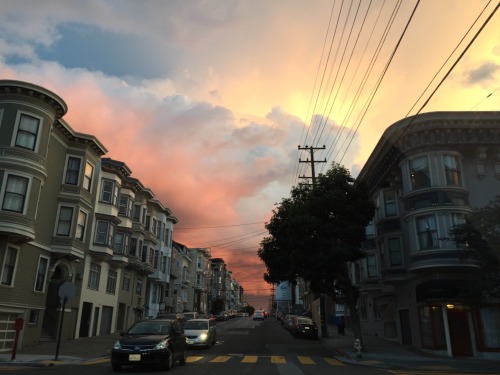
161	345
117	345
203	336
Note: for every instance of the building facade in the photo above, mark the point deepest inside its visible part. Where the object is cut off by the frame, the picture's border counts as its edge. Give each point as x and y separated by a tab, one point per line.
425	175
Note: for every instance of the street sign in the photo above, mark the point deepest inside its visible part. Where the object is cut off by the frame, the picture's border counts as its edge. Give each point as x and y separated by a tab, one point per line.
66	291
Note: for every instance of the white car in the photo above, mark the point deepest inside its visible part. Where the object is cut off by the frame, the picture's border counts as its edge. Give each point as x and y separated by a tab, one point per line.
258	315
200	332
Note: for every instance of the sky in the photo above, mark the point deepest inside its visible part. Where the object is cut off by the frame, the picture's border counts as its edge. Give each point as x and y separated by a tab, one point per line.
208	101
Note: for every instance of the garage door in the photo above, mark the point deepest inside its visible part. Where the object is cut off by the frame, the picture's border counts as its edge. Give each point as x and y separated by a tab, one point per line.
7	332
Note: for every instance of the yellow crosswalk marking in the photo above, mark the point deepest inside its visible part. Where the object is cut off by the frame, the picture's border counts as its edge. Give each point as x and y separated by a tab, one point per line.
278	359
221	358
334	362
250	359
193	358
306	360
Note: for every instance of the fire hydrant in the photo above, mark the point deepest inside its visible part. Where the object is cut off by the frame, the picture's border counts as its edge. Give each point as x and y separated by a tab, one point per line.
357	348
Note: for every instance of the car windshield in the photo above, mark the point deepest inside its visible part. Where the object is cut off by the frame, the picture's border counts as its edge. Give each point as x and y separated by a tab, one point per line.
196	324
304	321
150	328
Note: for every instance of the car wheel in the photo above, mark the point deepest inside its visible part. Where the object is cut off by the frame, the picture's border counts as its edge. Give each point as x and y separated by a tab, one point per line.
170	361
116	367
182	360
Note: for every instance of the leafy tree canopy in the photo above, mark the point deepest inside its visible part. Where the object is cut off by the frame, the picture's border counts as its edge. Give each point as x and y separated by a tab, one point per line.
479	237
317	230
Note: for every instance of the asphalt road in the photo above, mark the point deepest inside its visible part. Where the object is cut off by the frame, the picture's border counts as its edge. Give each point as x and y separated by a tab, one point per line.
244	346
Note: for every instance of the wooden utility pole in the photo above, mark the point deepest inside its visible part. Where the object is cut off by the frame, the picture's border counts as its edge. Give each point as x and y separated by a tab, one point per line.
312	161
322	298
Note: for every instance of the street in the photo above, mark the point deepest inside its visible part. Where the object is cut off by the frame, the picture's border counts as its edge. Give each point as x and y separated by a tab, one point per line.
244	346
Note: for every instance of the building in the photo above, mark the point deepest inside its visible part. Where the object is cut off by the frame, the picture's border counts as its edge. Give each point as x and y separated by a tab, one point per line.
69	216
200	279
426	174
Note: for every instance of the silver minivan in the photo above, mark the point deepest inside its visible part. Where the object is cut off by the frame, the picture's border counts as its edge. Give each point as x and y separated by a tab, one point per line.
200	332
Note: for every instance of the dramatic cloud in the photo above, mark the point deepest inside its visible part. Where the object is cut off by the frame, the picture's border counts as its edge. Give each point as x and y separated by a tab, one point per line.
207	101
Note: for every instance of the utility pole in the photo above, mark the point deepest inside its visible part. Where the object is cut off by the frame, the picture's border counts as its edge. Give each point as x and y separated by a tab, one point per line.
312	161
322	299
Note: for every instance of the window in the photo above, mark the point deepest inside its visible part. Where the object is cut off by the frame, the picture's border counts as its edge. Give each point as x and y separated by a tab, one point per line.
41	274
105	233
15	194
80	226
138	287
164	264
121	243
9	266
72	171
124	205
371	266
87	179
419	173
94	276
452	170
107	191
137	212
490	324
148	220
370	229
432	327
154	226
394	245
159	231
390	203
33	318
427	232
111	284
64	222
154	293
27	132
126	282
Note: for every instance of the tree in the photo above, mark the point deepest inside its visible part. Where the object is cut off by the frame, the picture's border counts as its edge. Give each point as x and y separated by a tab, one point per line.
479	237
316	232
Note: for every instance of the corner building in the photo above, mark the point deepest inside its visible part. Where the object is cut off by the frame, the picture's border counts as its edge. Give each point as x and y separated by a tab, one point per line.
426	174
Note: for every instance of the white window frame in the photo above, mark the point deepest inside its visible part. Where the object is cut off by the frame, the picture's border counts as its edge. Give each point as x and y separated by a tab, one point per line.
88	176
392	253
72	173
111	282
63	220
18	131
416	170
44	274
452	168
432	231
109	234
94	276
25	196
14	268
81	227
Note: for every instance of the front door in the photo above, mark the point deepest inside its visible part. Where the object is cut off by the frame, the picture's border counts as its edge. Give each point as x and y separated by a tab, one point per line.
461	344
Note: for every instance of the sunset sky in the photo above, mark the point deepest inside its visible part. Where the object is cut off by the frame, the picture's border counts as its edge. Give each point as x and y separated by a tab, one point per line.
207	101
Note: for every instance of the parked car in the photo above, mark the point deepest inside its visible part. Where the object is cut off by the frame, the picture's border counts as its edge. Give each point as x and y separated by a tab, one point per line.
200	332
258	315
303	327
222	316
159	342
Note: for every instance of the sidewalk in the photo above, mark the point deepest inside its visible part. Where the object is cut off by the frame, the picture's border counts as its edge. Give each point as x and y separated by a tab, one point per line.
87	349
384	353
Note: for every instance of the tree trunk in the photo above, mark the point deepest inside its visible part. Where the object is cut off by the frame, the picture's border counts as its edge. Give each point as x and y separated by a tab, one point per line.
352	304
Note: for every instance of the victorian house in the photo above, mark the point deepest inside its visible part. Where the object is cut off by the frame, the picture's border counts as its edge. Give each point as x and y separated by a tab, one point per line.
426	174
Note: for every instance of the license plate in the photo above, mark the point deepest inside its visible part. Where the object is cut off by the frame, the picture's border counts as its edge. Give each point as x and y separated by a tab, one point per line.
134	357
306	327
190	342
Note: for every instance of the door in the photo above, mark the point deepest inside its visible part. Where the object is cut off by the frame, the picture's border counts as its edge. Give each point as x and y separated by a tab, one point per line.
404	319
96	321
461	344
85	319
106	320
